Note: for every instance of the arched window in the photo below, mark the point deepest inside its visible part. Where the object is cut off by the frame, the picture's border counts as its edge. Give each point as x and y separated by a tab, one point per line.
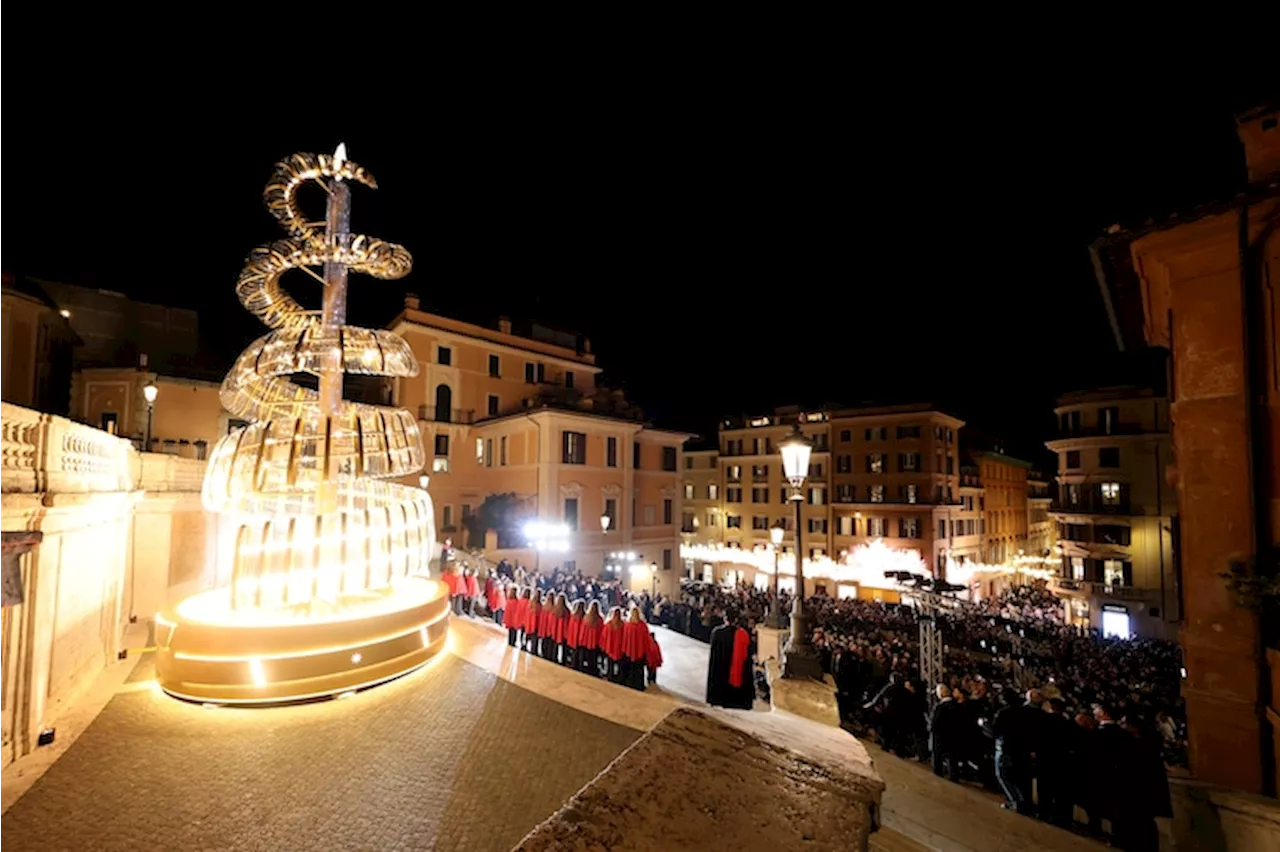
444	403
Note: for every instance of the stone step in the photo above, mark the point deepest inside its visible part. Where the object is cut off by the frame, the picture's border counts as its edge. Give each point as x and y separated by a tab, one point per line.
888	840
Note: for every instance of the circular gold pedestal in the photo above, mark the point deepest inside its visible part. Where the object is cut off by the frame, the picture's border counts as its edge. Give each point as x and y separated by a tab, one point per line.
208	652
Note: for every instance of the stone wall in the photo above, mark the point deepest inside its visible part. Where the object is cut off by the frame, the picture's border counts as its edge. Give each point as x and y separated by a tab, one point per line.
122	531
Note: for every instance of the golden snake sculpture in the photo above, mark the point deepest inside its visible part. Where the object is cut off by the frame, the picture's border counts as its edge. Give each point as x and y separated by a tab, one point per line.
295	546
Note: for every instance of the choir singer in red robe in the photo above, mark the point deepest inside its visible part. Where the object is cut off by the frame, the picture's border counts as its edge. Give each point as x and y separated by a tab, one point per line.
515	617
546	627
573	636
532	617
589	640
560	629
611	643
635	648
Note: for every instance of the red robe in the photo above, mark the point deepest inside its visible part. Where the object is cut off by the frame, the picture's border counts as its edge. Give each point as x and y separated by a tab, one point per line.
546	623
559	627
611	639
472	587
741	648
514	619
450	581
573	636
653	657
589	639
635	640
497	598
530	616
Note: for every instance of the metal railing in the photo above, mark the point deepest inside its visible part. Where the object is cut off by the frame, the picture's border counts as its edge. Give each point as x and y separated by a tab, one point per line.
446	415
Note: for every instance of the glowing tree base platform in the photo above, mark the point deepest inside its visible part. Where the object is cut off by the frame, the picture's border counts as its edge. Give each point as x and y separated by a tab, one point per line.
328	591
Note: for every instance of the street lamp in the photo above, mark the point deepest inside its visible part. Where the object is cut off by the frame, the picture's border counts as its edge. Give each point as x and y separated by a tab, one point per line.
149	392
605	522
653	572
776	532
799	658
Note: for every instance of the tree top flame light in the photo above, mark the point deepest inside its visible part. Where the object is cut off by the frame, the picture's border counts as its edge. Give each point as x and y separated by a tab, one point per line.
329	590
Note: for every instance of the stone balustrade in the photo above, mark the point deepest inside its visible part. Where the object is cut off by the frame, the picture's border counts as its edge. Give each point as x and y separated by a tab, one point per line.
164	472
44	452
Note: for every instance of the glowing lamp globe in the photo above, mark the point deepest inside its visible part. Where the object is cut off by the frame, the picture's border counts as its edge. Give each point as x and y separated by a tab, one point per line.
150	392
796	449
776	533
605	521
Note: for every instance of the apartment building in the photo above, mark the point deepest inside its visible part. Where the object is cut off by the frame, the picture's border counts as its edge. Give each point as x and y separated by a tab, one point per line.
1041	535
503	411
755	494
702	521
896	477
1004	484
1115	511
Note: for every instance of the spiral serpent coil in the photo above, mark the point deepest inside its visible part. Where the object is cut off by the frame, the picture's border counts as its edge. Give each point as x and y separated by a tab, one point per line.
280	473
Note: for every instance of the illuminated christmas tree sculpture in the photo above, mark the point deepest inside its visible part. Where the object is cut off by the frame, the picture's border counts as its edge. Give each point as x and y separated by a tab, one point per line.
328	589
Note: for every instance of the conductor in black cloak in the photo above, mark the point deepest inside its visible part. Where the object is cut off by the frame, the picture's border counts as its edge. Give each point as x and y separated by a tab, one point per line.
729	674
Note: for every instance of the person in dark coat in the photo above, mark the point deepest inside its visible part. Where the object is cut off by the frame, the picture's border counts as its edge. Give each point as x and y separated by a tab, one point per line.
1018	729
893	703
729	677
1054	764
944	734
1135	782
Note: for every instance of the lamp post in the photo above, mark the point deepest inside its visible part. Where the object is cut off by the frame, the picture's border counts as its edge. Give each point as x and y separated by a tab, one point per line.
653	573
149	392
799	658
776	532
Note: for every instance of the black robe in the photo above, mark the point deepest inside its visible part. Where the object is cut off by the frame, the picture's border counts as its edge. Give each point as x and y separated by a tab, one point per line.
720	692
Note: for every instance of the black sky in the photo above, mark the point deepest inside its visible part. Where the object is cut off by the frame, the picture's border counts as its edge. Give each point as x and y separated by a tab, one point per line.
727	245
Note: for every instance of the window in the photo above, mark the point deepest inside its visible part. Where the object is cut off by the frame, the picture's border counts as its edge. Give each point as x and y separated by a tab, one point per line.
1073	459
531	373
784	496
568	378
951	465
908	528
908	461
1113	573
815	469
937	433
733	522
442	445
494	404
712	517
817	495
668	458
733	495
688	491
818	525
573	448
759	472
909	494
666	559
969	526
875	494
713	491
466	513
846	525
844	464
1108	457
479	451
687	522
845	493
846	435
446	518
650	515
816	553
571	512
635	455
733	473
1109	420
875	527
875	463
502	450
759	522
759	495
611	452
942	529
667	506
1077	567
1112	534
495	366
1110	493
109	423
488	452
444	356
611	509
688	462
908	432
879	433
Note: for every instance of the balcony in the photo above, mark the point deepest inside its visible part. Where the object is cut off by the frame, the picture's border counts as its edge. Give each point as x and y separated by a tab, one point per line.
1101	590
1094	507
446	415
1061	434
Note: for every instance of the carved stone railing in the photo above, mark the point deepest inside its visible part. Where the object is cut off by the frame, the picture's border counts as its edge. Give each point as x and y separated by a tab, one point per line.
164	472
44	452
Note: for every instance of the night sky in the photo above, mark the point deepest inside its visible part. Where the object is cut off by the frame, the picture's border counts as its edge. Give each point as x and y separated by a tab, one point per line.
728	245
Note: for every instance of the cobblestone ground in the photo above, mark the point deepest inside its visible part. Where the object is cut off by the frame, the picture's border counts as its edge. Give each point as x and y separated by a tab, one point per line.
449	757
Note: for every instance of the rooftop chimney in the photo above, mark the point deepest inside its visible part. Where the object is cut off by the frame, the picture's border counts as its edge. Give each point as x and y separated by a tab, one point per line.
412	302
504	325
1260	135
